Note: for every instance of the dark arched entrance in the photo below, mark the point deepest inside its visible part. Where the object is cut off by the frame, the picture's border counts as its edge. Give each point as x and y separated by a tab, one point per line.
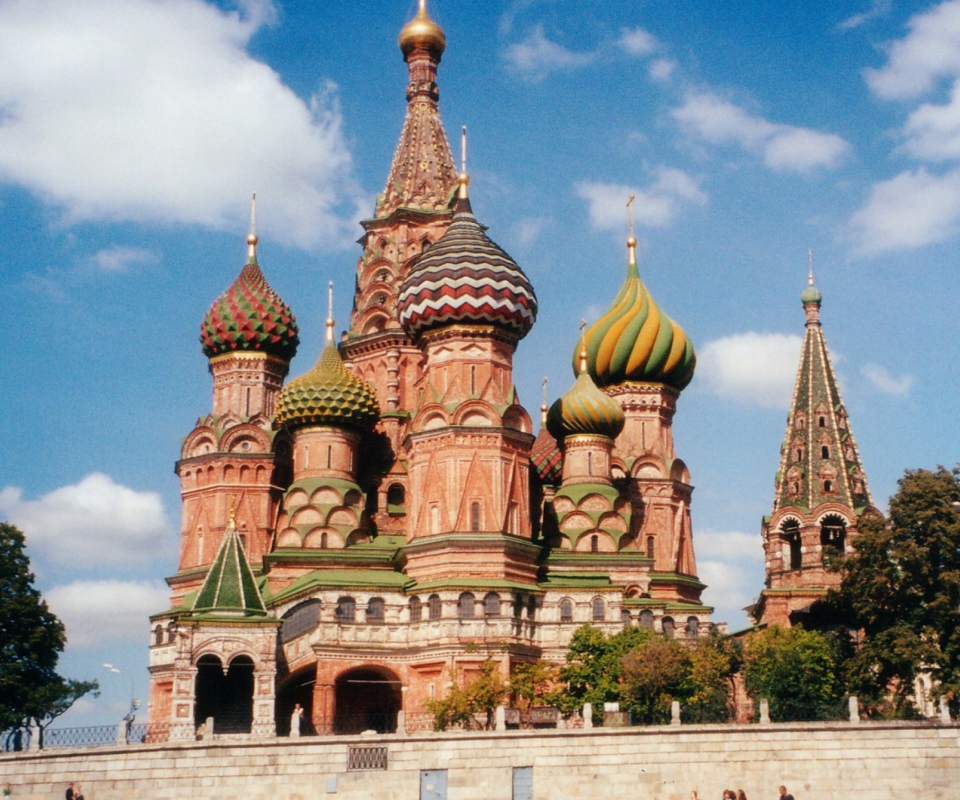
227	696
294	689
367	698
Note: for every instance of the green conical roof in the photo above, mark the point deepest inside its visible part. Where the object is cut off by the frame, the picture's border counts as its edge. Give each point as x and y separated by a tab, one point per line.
230	588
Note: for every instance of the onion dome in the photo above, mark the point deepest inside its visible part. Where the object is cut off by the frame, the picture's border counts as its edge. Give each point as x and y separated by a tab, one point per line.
329	394
422	32
811	294
545	455
585	410
635	341
466	279
250	316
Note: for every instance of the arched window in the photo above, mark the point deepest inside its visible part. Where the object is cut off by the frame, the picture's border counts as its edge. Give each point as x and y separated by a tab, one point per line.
375	611
668	627
651	547
646	619
171	632
323	540
158	634
415	609
822	421
396	499
435	606
693	627
599	609
827	486
594	544
474	516
466	606
833	535
346	610
625	617
791	535
825	451
566	610
491	605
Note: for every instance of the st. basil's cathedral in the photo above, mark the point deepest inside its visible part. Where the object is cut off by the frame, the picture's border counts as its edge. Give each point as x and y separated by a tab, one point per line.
357	538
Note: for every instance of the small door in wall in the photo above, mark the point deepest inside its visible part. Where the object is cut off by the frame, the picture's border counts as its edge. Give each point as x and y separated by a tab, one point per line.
523	783
433	784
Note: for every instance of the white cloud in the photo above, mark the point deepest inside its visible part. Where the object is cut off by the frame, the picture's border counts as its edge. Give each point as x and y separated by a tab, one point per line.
637	41
910	210
754	369
536	56
93	522
655	206
731	563
526	231
883	381
144	111
930	51
661	69
878	8
932	132
100	612
782	147
120	259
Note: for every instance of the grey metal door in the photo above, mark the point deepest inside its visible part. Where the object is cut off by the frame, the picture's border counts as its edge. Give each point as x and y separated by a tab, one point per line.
523	783
433	784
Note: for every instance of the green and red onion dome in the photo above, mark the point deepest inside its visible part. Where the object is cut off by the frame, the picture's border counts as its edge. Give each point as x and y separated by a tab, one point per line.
329	394
465	278
250	316
546	457
585	410
635	341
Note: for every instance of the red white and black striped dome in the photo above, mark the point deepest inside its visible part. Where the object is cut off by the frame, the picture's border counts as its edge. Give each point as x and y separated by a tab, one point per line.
465	278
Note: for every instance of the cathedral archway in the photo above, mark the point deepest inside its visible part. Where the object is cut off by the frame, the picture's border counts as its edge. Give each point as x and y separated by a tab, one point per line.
296	688
225	694
367	698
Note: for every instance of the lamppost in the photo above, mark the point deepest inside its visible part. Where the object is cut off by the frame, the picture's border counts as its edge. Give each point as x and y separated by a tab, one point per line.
134	704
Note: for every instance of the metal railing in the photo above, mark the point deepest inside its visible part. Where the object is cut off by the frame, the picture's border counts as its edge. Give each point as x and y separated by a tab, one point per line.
97	736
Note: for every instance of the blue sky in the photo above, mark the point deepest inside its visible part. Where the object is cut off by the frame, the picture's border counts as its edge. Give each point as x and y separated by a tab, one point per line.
132	133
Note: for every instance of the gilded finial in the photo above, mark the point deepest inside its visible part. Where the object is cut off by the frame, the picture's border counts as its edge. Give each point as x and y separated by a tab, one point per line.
583	346
329	322
232	519
810	263
463	178
423	32
631	239
252	236
543	405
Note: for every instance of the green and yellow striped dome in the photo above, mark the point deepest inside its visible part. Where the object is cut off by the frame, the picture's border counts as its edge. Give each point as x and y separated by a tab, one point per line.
585	410
635	341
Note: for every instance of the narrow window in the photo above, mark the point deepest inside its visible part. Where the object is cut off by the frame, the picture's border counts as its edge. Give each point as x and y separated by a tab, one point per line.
474	516
491	605
822	422
375	611
693	627
416	610
346	610
434	606
646	619
825	451
323	540
594	543
566	610
668	627
651	547
599	609
473	379
625	617
465	606
589	463
329	456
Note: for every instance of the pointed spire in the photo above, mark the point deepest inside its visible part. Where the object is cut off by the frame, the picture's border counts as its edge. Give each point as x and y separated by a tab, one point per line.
252	239
631	239
543	406
811	297
230	589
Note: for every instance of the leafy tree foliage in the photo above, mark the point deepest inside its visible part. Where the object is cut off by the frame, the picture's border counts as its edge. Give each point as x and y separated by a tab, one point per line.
653	672
708	687
901	593
466	701
31	641
794	669
533	683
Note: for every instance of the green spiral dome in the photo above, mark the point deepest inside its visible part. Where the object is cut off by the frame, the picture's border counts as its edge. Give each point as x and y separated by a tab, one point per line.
635	341
585	410
329	394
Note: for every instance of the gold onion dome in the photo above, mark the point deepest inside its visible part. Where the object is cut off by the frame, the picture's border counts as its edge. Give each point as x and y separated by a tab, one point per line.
329	394
250	316
585	410
635	341
423	33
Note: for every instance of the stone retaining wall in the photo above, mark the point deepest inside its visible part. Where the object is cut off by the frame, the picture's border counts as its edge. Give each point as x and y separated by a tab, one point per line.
872	761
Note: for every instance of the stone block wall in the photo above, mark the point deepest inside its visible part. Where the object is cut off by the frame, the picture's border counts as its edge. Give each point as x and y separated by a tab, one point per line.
872	761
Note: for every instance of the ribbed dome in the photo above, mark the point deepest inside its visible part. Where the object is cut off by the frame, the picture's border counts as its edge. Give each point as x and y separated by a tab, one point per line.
635	341
546	458
423	32
329	394
250	316
811	294
465	278
585	409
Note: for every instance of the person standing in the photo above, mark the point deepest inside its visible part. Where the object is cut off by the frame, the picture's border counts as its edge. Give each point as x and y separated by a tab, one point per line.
68	795
784	794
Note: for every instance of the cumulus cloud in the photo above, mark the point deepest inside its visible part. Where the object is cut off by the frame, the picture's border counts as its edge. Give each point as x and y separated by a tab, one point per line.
878	8
94	522
143	111
101	612
913	209
883	381
120	259
755	369
928	53
526	231
662	69
537	56
785	148
731	564
637	41
932	132
656	205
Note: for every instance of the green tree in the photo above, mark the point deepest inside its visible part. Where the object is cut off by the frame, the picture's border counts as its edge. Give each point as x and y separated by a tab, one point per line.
594	667
467	700
708	687
794	669
901	593
532	684
31	641
653	676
